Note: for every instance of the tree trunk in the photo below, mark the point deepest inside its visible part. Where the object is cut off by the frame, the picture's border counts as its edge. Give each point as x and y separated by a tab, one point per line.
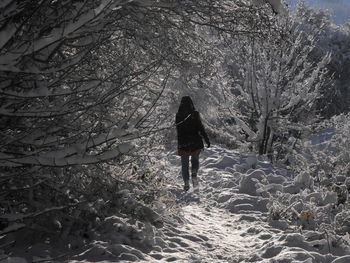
266	135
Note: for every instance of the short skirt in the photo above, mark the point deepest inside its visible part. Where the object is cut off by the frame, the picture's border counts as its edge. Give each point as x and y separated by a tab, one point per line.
188	153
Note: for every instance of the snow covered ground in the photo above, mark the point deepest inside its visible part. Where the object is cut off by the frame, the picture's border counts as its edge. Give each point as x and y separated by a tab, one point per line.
226	220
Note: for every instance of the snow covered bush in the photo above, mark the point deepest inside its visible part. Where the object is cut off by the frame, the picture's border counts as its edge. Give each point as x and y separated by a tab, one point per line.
342	222
335	95
68	105
321	188
339	145
273	85
325	155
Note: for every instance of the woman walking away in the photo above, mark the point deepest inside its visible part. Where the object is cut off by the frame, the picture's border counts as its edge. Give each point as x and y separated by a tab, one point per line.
190	135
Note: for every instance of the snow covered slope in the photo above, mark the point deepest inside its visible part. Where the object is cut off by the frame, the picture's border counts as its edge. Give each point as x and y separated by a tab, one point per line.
229	219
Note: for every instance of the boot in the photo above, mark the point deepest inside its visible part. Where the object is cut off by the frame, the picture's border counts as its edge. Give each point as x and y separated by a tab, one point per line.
195	181
186	186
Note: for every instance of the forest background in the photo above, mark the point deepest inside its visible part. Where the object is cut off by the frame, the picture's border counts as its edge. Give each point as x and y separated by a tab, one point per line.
89	91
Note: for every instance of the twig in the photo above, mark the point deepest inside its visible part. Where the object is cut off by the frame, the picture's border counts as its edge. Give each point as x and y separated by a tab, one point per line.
329	247
49	259
7	244
47	210
12	228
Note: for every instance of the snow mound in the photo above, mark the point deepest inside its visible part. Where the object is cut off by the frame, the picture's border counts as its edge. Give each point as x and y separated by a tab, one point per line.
248	183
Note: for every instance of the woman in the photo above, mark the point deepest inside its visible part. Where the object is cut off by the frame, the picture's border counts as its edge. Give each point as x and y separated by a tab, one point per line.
190	132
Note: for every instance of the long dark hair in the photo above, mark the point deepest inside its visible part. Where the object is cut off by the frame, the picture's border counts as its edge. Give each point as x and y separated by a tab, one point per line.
186	106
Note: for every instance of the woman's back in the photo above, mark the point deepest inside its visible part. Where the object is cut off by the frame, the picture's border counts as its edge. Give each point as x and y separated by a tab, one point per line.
187	124
190	130
190	135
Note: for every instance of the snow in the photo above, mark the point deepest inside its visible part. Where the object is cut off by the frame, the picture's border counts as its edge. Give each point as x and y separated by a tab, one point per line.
344	259
228	219
14	260
276	5
8	60
321	138
75	154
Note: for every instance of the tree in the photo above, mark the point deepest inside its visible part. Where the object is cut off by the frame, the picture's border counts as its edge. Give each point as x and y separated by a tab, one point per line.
274	85
80	83
332	39
336	96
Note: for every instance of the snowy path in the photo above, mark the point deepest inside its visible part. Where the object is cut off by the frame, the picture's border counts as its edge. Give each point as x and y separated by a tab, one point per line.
211	233
225	221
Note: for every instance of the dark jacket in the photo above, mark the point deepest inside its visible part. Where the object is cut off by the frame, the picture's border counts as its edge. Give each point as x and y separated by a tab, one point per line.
190	132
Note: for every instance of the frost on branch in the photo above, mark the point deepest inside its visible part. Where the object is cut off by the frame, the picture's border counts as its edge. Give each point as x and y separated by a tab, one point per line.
72	88
276	5
274	93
